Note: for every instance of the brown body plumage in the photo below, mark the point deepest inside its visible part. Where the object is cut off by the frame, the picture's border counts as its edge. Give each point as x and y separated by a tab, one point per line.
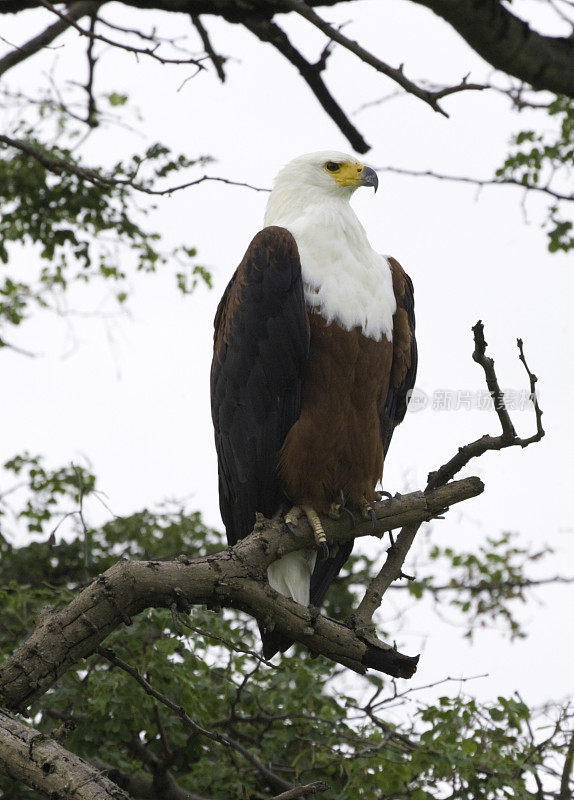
336	444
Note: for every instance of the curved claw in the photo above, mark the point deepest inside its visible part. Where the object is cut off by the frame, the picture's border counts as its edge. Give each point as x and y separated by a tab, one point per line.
351	515
373	516
323	551
294	531
388	495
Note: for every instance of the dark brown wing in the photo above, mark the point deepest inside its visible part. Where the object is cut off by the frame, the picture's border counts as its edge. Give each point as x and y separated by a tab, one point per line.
261	345
405	358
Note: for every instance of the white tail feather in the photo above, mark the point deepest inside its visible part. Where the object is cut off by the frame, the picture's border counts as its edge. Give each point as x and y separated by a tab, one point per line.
291	575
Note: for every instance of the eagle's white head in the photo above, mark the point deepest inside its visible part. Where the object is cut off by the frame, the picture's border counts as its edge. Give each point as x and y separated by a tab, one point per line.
316	178
345	280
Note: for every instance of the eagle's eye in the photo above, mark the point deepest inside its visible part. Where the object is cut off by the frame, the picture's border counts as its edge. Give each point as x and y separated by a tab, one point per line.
332	166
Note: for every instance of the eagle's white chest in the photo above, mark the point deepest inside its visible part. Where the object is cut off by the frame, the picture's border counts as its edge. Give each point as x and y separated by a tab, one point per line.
345	280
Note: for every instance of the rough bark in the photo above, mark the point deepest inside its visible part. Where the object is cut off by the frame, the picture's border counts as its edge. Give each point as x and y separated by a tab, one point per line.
38	761
509	44
235	578
504	40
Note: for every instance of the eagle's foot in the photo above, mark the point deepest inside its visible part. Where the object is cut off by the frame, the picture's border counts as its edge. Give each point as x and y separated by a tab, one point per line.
336	511
313	518
367	511
291	519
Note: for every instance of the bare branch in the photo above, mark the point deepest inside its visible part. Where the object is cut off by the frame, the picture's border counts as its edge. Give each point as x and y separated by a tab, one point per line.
31	757
217	60
395	73
75	12
92	111
490	586
361	619
427	173
267	31
146	51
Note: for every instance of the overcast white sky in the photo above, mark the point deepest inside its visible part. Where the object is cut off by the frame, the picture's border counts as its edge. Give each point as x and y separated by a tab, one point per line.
131	394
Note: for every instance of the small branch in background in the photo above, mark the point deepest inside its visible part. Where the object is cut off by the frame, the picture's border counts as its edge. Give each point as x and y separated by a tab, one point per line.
302	791
267	31
75	11
391	570
146	51
92	112
565	793
217	60
58	166
275	780
427	173
487	364
395	73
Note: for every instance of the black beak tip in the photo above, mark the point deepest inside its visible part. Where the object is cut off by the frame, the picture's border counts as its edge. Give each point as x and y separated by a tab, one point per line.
370	178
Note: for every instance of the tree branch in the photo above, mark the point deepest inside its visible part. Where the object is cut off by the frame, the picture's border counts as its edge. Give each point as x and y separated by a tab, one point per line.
509	43
217	60
274	780
395	73
565	793
302	791
75	12
146	51
234	577
361	619
58	165
268	31
427	173
31	757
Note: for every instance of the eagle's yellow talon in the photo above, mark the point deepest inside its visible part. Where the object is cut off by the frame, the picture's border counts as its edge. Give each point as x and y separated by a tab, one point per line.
294	515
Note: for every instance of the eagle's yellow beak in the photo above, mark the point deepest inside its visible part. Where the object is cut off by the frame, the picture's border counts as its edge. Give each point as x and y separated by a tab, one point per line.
350	173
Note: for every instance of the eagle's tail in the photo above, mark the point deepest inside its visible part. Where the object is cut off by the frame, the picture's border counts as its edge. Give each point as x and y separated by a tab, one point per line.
306	582
273	642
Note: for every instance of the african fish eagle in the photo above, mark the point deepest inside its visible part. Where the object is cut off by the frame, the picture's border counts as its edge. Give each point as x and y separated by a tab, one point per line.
314	357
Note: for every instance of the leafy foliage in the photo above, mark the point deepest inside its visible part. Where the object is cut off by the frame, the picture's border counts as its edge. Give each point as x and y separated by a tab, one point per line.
484	584
294	721
82	224
545	159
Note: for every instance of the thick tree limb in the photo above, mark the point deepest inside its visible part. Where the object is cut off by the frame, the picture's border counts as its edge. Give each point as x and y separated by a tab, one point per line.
38	761
235	577
509	43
